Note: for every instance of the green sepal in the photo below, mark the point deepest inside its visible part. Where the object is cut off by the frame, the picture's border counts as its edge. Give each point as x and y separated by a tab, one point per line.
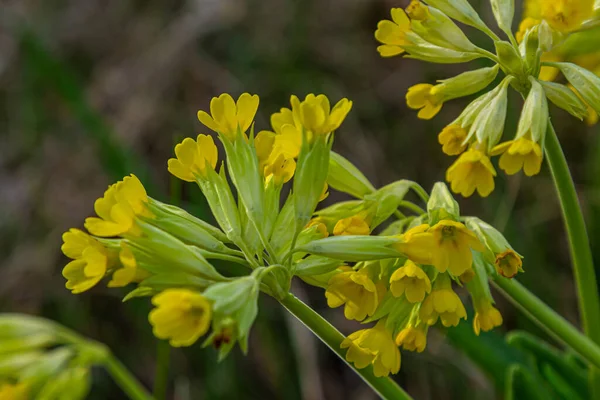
563	97
343	176
26	343
461	11
440	30
284	229
74	381
534	117
316	265
387	200
441	205
585	82
504	12
353	248
169	280
11	365
140	291
420	49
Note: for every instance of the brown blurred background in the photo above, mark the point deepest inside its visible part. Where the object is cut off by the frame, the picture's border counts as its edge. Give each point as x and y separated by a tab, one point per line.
93	90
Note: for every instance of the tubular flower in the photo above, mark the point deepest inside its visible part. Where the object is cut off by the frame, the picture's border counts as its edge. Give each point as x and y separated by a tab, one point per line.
228	117
316	115
288	132
487	317
508	263
321	227
14	391
473	170
280	169
373	346
562	15
193	157
130	272
356	290
181	316
416	244
522	153
354	225
411	281
453	243
451	138
117	209
442	303
392	33
423	97
90	261
413	338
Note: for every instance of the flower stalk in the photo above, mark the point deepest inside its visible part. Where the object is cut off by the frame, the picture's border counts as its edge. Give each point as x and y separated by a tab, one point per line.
126	381
581	255
384	386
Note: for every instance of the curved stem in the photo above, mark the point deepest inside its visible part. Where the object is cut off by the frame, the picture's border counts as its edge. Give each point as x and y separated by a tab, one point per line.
126	381
422	193
548	319
385	387
581	254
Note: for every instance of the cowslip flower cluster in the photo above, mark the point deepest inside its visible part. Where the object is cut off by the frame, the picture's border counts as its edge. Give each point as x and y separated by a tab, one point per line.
529	62
399	277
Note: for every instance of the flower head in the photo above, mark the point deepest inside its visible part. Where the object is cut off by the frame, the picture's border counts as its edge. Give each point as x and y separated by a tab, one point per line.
508	263
373	346
356	291
562	15
228	117
392	33
193	158
424	97
413	338
522	153
451	138
354	225
181	316
487	317
442	303
316	115
473	170
411	281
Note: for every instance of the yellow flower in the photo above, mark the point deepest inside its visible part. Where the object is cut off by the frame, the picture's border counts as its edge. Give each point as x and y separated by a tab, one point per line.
118	208
325	192
424	97
181	316
356	290
90	261
193	157
14	391
526	24
130	272
562	15
288	132
451	138
442	303
316	115
473	170
354	225
392	33
417	11
373	346
487	317
413	338
508	263
453	242
522	153
228	117
280	169
410	280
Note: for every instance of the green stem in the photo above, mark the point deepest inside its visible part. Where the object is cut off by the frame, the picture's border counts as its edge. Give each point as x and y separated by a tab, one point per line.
413	207
161	375
422	193
126	381
548	319
385	387
581	254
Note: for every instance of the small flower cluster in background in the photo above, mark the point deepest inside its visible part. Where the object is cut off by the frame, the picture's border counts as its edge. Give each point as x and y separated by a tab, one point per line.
382	257
552	32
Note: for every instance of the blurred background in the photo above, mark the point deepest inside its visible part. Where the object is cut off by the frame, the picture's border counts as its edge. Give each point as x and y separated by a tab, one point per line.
93	90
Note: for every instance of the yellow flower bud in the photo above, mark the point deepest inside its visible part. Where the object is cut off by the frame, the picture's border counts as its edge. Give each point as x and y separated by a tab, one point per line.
181	316
354	225
452	139
413	338
228	117
509	263
193	158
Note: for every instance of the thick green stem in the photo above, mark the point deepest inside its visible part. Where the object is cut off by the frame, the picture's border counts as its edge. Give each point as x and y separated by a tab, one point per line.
385	387
548	319
161	374
581	254
126	381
